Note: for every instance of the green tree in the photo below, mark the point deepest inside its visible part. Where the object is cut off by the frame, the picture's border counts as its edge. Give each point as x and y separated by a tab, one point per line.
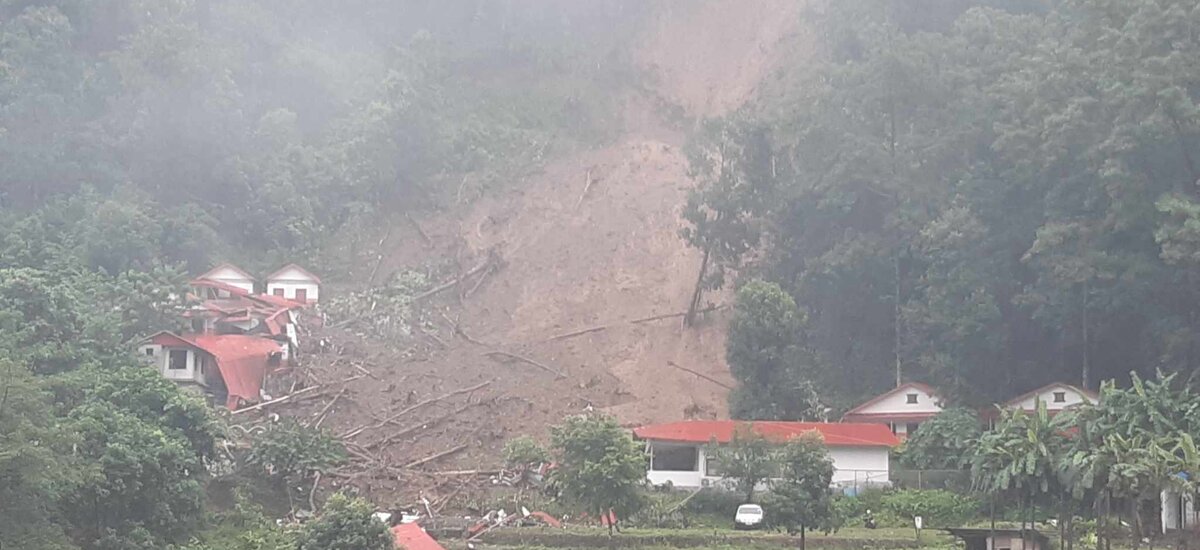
599	467
766	357
945	442
800	500
748	460
523	451
346	523
293	453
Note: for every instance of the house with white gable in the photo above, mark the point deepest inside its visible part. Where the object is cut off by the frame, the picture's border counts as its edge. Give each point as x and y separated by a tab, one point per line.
294	283
231	275
902	409
1056	396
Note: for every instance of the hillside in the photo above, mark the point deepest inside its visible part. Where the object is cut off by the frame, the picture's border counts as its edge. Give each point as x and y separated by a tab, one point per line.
590	242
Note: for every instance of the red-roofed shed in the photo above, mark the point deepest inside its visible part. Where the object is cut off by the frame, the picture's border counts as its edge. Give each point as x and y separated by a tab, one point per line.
678	449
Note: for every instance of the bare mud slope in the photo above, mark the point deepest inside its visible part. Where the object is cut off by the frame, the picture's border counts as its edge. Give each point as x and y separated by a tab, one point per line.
609	259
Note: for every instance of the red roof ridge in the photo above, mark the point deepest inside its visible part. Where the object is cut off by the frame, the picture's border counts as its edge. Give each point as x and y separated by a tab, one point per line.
843	434
411	536
917	385
296	267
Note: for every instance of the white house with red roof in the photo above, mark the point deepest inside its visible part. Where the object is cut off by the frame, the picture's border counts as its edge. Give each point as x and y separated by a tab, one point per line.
678	449
231	367
294	283
231	275
902	409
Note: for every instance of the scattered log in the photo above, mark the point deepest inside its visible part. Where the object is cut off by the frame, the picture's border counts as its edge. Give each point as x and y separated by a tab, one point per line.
417	226
459	330
325	410
524	359
598	328
701	375
363	370
579	332
673	315
379	256
306	393
586	187
427	424
434	457
449	473
392	419
479	282
312	506
451	284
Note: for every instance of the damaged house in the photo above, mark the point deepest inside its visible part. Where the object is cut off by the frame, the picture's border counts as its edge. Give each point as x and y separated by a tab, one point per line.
235	340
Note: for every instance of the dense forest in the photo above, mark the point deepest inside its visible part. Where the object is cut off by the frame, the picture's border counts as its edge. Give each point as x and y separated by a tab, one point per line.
988	196
142	141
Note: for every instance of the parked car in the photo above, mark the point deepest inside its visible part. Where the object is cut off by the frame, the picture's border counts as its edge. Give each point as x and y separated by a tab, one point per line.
748	516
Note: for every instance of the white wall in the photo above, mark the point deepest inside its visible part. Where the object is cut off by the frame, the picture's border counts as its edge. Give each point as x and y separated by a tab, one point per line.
852	466
1171	508
898	403
289	289
161	360
1072	398
230	276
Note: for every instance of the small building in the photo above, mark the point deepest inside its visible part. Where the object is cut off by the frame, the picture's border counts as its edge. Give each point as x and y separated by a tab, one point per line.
410	536
294	283
902	409
1057	398
1001	538
678	449
231	275
1179	512
232	368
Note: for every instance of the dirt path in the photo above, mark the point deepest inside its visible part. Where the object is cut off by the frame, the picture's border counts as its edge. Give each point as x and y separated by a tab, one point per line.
572	260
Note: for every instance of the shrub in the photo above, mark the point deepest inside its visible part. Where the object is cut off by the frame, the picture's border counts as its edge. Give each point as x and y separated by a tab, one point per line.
523	451
938	508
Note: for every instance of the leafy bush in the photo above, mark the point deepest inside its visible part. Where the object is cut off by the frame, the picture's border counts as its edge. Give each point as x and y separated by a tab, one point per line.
523	451
945	442
346	523
938	508
715	501
290	450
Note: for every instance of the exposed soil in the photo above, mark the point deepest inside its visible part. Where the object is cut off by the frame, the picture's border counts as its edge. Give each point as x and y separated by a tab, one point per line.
569	261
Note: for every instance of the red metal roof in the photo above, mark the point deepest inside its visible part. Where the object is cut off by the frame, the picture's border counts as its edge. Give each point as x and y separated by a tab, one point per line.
410	536
888	417
843	434
243	361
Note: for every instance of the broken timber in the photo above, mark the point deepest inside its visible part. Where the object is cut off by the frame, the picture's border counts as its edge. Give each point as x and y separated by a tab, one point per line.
392	419
451	284
598	328
524	359
701	375
437	456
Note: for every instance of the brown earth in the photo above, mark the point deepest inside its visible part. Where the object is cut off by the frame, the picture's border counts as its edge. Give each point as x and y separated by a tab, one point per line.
569	260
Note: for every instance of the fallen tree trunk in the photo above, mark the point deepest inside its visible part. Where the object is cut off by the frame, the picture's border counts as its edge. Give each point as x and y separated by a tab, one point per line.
524	359
451	284
434	457
598	328
427	424
701	375
392	419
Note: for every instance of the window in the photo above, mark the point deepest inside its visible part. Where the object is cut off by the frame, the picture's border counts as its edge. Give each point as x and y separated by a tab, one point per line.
301	295
675	459
910	429
278	292
178	359
912	399
1060	397
149	352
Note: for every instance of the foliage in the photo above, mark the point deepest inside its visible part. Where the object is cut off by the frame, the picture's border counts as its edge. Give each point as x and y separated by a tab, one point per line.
290	450
599	466
766	359
800	499
242	528
748	459
524	451
944	442
1021	454
995	197
346	523
937	508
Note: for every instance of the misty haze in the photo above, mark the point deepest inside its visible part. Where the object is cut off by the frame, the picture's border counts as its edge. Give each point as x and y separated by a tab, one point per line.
712	274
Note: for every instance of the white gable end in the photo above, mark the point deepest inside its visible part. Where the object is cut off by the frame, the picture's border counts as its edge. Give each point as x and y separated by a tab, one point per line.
292	275
900	402
1055	397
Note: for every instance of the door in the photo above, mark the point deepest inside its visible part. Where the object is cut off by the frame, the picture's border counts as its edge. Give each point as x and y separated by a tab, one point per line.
302	295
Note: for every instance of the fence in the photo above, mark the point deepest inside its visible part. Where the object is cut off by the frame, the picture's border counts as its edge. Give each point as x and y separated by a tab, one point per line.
959	480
